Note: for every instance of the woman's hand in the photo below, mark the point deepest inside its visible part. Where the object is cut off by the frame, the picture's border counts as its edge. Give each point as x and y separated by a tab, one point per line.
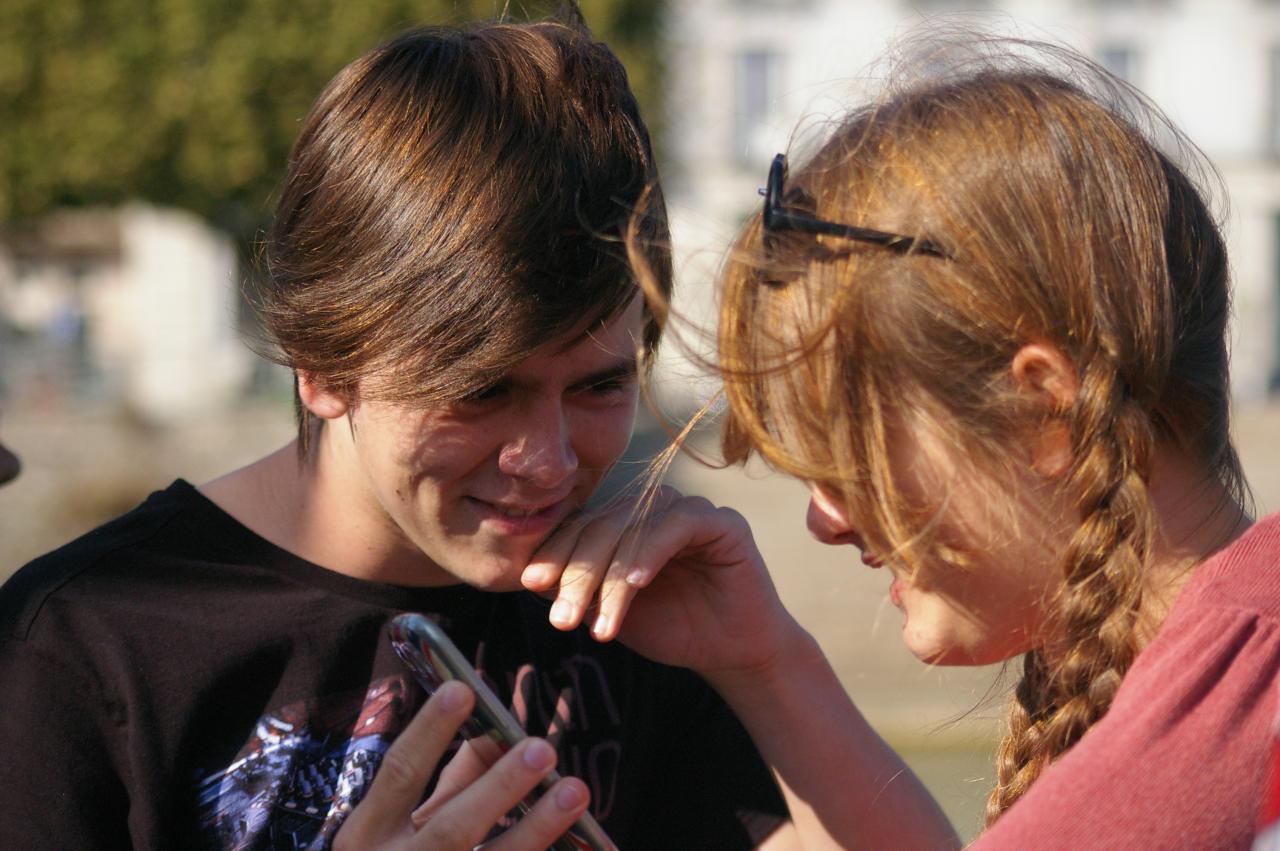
470	798
682	583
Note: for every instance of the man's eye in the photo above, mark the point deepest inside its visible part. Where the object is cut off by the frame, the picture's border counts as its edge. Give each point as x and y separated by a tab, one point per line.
484	394
611	386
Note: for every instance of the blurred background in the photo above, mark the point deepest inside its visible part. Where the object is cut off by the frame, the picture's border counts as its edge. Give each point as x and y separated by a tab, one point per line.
141	142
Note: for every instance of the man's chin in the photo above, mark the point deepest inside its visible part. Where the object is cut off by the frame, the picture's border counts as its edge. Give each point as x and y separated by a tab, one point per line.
496	574
498	584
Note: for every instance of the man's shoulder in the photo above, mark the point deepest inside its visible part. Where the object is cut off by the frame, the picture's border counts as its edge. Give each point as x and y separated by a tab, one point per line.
76	563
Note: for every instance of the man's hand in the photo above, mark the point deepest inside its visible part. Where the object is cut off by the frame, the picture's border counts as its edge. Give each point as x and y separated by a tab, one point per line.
680	581
470	798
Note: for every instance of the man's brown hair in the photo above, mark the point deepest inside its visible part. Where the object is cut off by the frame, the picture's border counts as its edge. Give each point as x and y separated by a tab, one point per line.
457	198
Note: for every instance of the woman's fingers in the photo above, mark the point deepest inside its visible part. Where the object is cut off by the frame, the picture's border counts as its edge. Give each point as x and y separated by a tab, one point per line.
406	769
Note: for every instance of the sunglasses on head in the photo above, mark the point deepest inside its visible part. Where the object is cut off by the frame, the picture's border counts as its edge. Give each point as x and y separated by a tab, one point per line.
778	218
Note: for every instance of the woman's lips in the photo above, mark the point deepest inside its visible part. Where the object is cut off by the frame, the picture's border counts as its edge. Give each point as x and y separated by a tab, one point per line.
895	592
872	560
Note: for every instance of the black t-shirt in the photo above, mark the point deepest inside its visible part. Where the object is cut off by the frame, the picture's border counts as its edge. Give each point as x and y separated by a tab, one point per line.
172	680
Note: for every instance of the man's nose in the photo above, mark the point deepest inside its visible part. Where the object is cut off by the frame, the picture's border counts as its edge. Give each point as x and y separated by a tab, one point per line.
540	449
826	520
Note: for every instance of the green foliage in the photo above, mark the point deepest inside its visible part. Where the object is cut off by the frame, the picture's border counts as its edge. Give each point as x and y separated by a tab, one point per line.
195	103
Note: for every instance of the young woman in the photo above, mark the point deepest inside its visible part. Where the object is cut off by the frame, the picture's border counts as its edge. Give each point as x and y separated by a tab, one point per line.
986	323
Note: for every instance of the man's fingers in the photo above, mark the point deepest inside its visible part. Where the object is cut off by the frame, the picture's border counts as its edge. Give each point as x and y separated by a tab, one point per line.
549	819
548	562
466	819
461	771
408	765
616	594
585	571
694	524
608	557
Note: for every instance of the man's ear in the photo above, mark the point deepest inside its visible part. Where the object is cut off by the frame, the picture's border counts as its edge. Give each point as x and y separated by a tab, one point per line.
1049	379
322	401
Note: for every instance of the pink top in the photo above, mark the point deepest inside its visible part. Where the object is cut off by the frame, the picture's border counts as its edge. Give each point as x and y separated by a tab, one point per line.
1180	760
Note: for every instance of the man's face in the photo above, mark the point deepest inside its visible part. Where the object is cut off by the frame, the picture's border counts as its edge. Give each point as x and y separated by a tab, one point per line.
477	485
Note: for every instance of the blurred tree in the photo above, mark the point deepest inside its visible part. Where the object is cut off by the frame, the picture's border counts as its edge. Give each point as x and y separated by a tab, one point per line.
195	103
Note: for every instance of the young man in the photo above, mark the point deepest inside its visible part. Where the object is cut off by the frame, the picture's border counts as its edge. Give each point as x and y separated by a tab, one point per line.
213	669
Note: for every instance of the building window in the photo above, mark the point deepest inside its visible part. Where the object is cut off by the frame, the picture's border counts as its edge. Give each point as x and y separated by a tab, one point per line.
1272	141
1273	380
1121	60
756	88
1132	4
928	6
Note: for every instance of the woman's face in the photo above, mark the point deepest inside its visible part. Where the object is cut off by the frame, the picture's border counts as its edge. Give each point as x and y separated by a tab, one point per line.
987	602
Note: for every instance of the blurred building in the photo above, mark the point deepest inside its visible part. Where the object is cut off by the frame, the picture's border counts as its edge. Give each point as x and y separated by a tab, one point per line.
135	306
744	74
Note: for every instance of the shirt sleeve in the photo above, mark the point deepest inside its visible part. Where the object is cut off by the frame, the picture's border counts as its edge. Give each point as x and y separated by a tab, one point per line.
57	785
1180	759
716	791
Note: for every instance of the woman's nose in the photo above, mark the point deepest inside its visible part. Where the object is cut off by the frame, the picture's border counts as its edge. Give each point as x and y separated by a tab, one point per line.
827	521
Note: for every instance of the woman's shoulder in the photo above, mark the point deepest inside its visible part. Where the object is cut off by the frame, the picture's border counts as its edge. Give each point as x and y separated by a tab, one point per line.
1243	576
1221	640
1180	758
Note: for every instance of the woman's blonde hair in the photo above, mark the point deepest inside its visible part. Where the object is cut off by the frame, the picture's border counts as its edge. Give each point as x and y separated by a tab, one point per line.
1061	223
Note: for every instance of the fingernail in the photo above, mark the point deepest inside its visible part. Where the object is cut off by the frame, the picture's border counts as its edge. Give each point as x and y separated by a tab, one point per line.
570	796
538	755
601	626
534	575
635	577
452	696
562	612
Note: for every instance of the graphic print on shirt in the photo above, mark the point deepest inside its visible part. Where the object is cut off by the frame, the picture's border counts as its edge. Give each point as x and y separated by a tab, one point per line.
577	700
309	764
306	766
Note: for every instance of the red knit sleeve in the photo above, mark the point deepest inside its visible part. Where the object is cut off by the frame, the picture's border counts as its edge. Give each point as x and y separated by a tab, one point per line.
1180	761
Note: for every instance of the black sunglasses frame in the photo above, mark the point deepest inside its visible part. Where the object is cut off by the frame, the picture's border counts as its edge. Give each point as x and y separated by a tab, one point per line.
777	218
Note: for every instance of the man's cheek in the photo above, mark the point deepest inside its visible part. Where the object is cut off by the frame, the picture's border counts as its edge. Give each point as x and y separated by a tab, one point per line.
612	436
